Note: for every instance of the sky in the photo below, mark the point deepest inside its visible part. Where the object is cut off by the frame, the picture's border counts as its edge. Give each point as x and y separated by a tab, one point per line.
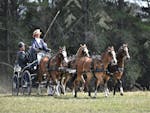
139	2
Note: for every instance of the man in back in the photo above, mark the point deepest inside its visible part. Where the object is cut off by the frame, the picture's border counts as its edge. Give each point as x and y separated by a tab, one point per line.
21	55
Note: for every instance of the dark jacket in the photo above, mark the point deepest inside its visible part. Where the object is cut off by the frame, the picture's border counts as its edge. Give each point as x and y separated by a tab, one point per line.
21	58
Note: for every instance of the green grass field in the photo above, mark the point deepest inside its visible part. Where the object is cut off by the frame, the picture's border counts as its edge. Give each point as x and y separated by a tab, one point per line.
131	102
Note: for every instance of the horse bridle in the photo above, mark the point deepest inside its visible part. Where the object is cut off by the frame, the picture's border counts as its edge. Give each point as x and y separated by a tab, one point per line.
83	52
122	49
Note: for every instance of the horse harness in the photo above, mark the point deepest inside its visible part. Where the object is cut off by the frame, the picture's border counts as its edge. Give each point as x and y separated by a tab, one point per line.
52	68
116	69
97	69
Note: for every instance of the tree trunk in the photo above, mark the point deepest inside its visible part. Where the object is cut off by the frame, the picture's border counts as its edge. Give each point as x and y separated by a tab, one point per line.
8	15
86	15
120	4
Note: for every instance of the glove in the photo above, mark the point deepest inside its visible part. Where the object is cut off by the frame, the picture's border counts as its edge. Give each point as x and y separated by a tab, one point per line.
40	49
48	50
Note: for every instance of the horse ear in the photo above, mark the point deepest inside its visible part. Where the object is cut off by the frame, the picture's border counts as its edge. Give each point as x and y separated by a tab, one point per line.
108	49
125	44
84	45
81	45
112	47
64	47
121	48
60	49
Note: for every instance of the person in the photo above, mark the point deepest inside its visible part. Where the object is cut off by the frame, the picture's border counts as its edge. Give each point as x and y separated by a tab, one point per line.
21	55
38	45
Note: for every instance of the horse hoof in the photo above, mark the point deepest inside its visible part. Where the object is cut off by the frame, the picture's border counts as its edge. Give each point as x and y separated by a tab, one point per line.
121	94
50	95
106	96
94	97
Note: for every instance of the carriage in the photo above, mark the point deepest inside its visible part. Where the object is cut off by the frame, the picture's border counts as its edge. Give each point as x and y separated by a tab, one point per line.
25	79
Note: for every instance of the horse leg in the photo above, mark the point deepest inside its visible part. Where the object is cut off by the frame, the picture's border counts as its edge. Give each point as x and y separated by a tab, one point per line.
39	74
115	87
121	88
49	81
96	87
76	83
87	84
62	84
106	87
57	83
83	83
58	87
99	79
76	86
65	82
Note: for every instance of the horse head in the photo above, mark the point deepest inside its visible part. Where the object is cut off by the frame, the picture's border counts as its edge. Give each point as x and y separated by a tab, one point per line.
124	51
112	55
63	54
83	51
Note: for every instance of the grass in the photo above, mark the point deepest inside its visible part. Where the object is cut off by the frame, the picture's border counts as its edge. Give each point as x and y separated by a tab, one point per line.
131	102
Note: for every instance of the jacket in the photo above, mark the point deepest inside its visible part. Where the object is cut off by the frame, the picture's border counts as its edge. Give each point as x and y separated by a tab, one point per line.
21	59
39	46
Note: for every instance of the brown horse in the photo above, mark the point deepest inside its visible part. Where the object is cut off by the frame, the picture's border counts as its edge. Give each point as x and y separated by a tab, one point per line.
50	67
117	70
94	66
72	64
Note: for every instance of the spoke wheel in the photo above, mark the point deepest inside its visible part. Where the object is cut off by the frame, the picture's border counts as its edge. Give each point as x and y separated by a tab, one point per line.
26	83
15	85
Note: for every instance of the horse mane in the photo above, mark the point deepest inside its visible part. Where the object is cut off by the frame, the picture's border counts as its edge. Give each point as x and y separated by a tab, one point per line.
103	53
78	52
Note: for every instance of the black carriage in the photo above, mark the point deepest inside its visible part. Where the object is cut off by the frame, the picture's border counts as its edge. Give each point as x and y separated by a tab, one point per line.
24	79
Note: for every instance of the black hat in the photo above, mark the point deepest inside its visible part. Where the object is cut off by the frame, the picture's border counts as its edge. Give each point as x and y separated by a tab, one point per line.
21	44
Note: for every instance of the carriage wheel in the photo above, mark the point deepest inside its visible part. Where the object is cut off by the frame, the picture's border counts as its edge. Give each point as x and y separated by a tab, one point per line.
15	85
26	83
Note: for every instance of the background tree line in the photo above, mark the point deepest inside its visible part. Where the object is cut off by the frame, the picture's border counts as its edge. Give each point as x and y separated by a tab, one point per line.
97	23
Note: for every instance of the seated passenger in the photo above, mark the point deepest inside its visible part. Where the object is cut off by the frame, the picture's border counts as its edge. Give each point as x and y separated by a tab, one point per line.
21	55
38	45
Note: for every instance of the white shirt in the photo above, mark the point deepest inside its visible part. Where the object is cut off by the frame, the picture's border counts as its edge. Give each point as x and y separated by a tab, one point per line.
38	40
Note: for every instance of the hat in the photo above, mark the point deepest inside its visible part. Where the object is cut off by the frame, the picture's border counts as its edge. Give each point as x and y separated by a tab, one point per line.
21	44
37	31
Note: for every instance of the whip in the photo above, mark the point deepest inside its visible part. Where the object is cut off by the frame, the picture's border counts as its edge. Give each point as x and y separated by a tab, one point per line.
51	24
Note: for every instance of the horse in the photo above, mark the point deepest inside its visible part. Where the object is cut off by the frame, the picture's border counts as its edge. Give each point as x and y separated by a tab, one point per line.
50	67
72	64
94	66
116	71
